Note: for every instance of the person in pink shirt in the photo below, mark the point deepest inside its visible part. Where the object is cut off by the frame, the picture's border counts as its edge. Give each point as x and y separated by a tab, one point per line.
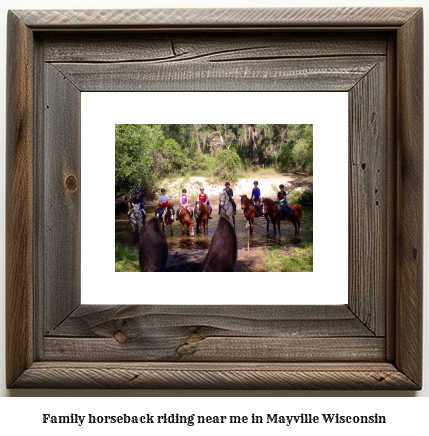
184	203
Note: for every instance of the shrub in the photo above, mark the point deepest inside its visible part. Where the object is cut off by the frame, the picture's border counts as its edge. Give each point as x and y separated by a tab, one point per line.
227	165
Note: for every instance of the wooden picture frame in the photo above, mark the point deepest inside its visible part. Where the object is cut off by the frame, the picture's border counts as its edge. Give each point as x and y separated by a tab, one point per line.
373	342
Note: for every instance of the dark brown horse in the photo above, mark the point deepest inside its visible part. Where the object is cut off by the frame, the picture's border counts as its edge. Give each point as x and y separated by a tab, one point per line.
167	217
153	249
222	255
277	214
202	214
249	211
186	220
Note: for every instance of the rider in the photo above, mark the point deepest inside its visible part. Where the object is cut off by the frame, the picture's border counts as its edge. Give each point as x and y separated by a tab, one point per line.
163	201
281	196
256	197
229	193
137	199
283	201
184	203
202	196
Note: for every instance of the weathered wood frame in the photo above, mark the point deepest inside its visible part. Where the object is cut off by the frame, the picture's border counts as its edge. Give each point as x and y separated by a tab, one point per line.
374	342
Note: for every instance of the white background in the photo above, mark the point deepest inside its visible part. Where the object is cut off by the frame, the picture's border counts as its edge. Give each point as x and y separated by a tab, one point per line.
406	415
328	112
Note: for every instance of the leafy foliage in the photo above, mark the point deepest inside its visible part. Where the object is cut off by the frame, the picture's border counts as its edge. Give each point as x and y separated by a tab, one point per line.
228	165
147	153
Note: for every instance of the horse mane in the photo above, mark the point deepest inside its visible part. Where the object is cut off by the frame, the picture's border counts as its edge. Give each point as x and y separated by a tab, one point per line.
269	201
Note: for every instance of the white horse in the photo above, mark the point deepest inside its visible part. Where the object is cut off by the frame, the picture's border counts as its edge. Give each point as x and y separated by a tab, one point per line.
136	218
226	207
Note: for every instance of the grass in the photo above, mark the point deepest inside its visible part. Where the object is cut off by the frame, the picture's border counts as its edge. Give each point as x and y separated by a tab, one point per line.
126	258
289	259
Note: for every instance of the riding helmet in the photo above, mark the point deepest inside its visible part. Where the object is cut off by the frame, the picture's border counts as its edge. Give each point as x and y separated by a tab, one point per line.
184	190
281	186
256	182
162	190
227	184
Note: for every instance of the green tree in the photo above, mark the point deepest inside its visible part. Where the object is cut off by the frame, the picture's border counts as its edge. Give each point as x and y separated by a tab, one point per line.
227	165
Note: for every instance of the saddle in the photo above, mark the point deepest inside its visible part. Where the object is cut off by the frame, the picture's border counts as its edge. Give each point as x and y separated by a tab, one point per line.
286	211
258	209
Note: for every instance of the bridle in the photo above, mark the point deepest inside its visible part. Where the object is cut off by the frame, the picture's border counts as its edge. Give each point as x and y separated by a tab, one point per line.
139	216
225	203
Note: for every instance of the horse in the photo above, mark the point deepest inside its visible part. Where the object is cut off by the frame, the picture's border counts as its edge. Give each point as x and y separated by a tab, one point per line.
136	218
202	214
276	213
167	217
221	257
185	219
250	212
153	249
227	207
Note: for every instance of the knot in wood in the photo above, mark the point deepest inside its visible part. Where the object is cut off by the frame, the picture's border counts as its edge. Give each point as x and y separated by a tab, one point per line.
71	183
120	337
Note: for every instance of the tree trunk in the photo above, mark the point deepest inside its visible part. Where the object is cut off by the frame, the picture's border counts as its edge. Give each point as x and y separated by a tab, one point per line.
254	137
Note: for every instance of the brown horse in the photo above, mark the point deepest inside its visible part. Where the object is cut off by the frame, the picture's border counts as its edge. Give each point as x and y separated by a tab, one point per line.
186	220
249	211
202	214
167	217
153	249
277	214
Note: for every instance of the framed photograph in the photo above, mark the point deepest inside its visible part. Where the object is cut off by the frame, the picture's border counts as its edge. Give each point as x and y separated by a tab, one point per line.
372	341
114	121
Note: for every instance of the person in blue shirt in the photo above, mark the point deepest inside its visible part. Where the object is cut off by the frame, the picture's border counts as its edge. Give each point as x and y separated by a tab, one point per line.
256	197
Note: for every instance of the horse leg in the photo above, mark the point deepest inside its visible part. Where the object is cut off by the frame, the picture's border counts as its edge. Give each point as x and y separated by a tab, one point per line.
171	229
297	225
268	222
274	225
251	224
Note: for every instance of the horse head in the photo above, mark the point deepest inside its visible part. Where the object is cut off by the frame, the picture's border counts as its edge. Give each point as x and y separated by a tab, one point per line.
223	198
190	228
201	207
265	205
153	249
136	208
244	201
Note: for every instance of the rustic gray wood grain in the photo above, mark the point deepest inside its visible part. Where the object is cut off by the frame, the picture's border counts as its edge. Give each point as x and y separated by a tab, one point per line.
368	201
208	47
214	333
61	186
194	348
99	375
410	198
373	343
20	189
185	19
298	74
